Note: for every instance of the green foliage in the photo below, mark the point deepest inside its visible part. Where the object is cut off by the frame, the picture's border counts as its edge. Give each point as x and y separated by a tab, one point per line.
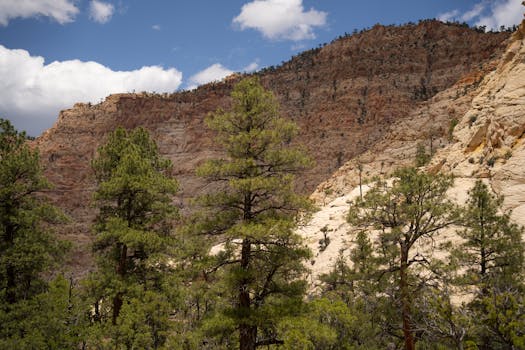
451	126
443	322
412	209
490	262
254	213
502	321
54	319
133	243
326	324
492	252
28	248
422	157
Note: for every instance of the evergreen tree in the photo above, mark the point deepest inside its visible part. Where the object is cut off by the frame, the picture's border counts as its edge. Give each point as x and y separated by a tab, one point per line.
254	212
491	261
422	157
133	239
492	251
410	210
358	282
28	248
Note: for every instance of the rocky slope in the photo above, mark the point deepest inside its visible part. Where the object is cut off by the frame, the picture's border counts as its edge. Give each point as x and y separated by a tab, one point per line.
348	98
488	142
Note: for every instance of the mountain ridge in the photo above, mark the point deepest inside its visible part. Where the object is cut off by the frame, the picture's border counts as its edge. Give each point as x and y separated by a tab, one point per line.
344	96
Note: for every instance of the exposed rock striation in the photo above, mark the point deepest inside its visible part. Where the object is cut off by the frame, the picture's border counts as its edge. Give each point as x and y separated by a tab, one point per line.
485	141
348	97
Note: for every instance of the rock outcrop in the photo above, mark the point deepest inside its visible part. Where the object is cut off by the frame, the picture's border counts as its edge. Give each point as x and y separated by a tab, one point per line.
358	96
476	135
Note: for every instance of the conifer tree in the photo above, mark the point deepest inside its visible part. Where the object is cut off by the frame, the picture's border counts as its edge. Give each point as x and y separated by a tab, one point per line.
414	207
28	246
133	236
421	157
491	260
492	251
254	212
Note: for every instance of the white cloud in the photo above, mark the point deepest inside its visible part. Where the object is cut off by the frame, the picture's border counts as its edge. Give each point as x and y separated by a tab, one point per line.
252	67
155	27
503	13
100	11
474	12
62	11
280	19
215	72
34	92
448	16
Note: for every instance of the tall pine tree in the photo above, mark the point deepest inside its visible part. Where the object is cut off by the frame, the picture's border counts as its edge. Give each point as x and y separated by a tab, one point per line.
491	262
133	237
254	212
413	208
491	254
28	247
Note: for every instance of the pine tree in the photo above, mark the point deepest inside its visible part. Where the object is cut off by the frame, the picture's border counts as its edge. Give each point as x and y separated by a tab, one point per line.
413	208
28	247
422	157
491	260
133	235
492	251
254	213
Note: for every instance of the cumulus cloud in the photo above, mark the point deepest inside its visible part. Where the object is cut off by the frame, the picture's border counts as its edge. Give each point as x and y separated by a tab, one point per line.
33	92
216	72
252	67
62	11
502	13
100	11
473	12
448	16
280	19
499	13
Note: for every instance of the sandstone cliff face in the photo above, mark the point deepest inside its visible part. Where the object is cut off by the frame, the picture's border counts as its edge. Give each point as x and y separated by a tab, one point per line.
347	98
488	142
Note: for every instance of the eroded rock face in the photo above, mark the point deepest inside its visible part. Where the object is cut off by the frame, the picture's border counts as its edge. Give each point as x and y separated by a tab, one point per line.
490	136
487	143
348	98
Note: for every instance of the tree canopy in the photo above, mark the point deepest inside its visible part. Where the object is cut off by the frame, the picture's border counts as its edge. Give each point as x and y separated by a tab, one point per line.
253	213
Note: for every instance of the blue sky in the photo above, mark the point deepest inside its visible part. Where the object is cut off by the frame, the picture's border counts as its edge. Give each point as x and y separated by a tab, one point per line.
54	53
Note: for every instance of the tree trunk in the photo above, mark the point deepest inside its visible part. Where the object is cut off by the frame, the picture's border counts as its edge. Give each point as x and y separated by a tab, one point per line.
117	305
247	332
121	271
405	300
248	337
10	293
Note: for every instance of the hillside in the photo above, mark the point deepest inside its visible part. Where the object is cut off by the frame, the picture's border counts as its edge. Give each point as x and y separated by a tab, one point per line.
487	143
352	97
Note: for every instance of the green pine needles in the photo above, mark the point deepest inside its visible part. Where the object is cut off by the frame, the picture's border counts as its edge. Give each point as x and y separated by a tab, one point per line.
254	213
133	241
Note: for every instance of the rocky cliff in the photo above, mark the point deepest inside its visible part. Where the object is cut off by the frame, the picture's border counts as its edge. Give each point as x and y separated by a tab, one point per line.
358	96
486	140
